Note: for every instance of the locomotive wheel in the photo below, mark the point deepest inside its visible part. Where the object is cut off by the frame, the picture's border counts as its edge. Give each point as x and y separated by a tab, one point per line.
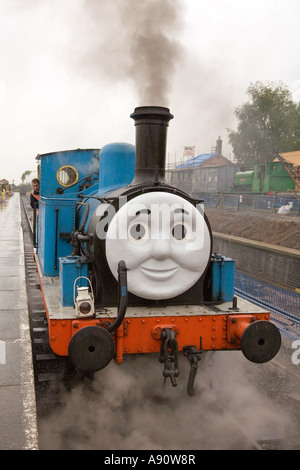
260	341
91	349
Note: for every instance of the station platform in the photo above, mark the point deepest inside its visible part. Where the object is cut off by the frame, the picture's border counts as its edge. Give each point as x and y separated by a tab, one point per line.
18	424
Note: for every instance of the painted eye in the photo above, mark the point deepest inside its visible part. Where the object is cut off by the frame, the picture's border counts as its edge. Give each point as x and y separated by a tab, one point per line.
179	232
137	231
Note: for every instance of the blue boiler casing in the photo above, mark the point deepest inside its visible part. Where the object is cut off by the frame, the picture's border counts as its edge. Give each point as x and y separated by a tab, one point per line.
117	164
116	170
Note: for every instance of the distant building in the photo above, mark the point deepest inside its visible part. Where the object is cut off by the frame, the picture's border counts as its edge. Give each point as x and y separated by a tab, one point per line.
205	173
5	188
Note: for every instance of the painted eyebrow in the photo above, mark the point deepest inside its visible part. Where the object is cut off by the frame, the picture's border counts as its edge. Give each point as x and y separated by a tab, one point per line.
143	211
137	213
180	211
176	211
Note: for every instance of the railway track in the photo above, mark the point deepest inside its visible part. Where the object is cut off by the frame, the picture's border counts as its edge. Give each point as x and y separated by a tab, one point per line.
53	374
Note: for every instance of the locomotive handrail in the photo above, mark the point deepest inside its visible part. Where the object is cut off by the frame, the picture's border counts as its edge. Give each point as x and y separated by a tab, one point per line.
123	297
56	237
60	190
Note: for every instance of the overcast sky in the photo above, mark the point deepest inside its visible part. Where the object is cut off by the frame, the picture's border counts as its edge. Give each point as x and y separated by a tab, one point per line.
72	71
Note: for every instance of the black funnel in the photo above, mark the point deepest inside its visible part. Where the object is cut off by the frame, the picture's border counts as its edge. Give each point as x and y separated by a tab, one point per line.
151	124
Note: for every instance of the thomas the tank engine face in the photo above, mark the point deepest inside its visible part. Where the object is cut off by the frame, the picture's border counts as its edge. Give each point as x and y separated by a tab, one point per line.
164	241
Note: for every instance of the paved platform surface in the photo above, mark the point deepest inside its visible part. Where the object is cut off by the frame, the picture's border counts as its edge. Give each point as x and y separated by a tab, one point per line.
18	426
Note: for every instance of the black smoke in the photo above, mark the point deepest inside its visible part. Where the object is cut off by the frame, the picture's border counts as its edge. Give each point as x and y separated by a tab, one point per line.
133	41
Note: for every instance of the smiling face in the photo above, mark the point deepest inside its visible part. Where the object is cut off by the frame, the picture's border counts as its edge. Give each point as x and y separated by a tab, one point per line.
164	241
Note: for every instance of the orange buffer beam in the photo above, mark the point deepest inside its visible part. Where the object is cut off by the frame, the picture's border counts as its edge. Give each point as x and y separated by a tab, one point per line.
142	335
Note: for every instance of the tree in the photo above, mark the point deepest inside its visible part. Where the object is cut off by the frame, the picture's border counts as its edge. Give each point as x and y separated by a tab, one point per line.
26	173
269	120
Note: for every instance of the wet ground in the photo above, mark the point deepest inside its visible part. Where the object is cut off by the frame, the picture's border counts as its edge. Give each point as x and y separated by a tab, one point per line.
17	411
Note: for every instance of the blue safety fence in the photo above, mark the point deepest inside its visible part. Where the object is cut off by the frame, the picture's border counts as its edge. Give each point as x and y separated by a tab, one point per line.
246	202
283	305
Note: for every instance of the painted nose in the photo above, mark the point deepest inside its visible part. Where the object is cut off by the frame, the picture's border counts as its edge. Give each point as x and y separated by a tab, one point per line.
161	249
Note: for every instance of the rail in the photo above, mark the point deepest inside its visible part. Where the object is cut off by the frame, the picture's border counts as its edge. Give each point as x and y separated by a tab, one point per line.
50	370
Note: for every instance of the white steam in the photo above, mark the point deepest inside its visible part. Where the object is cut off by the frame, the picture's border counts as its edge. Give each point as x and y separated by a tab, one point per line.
127	409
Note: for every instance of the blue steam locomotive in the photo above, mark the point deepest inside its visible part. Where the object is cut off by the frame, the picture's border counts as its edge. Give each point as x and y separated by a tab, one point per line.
126	261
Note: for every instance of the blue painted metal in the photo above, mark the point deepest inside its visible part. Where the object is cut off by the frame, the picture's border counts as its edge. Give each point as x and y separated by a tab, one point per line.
222	278
116	169
70	268
117	164
85	161
50	244
57	211
110	169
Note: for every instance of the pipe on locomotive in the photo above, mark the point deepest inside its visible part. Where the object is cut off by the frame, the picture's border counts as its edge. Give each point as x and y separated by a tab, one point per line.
122	297
151	123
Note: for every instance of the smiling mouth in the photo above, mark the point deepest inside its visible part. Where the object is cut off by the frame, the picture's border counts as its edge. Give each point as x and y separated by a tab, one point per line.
158	274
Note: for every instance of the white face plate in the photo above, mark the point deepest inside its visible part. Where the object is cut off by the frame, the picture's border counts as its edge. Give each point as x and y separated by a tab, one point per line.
164	241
